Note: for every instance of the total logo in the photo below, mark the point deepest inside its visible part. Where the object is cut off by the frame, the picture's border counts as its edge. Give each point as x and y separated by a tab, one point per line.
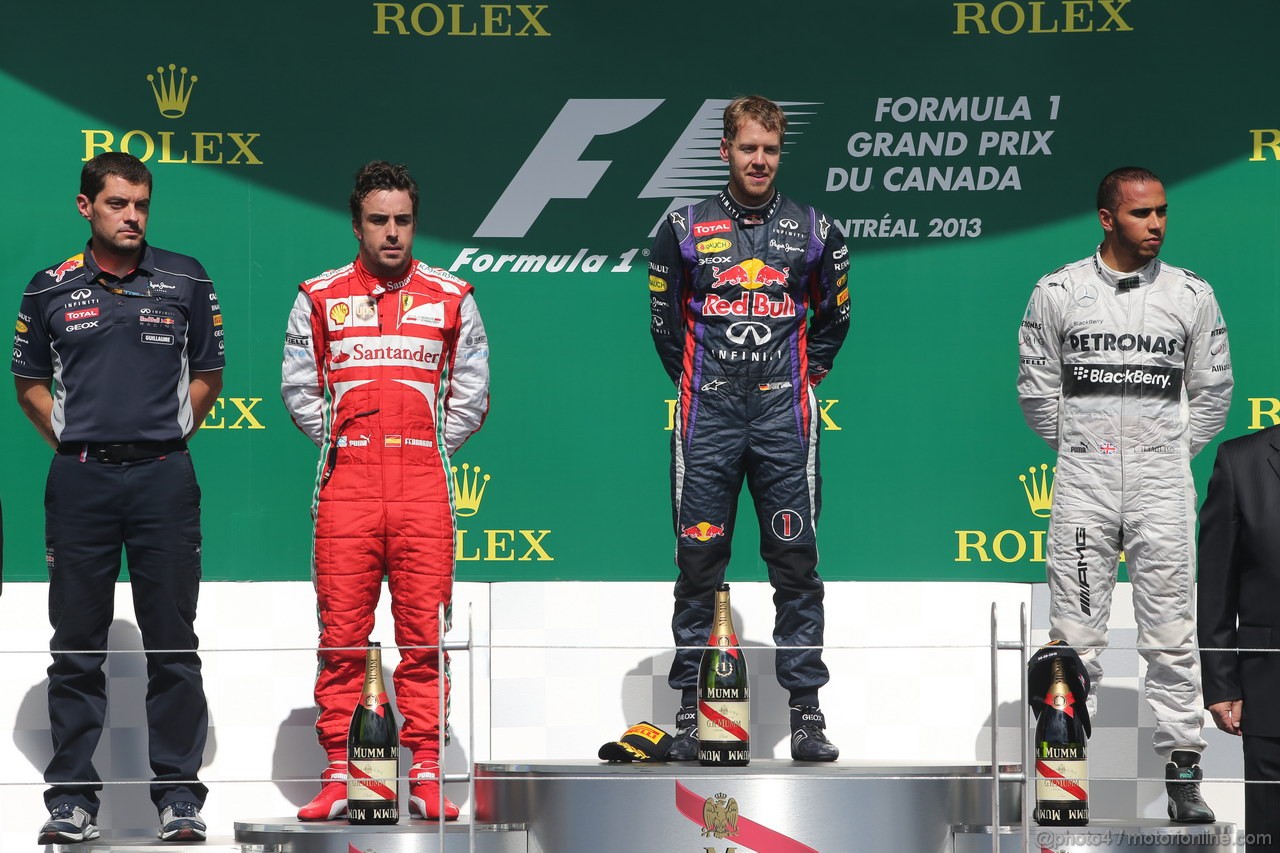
172	88
555	169
495	545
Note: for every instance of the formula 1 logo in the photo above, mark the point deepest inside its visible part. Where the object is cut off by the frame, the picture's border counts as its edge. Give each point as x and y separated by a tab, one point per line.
691	171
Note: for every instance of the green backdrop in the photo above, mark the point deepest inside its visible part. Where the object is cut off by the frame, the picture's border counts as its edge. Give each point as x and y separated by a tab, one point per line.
959	144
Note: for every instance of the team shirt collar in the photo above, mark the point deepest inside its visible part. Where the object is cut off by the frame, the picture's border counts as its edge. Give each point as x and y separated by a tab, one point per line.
377	286
1126	280
750	215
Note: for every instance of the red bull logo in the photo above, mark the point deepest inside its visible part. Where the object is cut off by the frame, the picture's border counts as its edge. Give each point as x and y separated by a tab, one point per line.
749	305
703	531
751	274
69	265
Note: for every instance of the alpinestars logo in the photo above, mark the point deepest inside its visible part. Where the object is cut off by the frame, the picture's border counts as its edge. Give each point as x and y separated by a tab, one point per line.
691	171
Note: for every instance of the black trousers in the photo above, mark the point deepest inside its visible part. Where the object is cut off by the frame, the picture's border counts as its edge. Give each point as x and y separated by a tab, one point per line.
766	433
151	510
1262	802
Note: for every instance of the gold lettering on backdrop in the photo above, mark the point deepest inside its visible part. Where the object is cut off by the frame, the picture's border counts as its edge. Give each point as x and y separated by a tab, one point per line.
502	545
1040	17
1263	407
828	422
203	147
459	19
1268	138
217	417
172	92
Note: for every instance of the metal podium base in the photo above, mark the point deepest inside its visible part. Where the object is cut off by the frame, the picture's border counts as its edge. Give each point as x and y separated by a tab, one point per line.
287	835
1136	836
771	804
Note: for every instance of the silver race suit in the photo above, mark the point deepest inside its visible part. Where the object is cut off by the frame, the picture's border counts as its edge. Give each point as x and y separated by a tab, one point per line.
1127	376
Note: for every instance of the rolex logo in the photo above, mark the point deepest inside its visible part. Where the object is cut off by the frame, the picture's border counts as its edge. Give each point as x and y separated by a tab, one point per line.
468	490
1009	545
173	93
1039	491
171	86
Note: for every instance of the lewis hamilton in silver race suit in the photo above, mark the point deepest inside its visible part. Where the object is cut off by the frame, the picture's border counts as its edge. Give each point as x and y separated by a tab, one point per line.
1126	372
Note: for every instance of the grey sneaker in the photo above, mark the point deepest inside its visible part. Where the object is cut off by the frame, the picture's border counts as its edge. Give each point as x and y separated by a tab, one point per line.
182	822
1182	782
68	824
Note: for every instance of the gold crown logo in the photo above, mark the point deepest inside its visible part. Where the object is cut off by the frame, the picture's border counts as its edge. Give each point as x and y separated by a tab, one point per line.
469	491
1039	491
172	94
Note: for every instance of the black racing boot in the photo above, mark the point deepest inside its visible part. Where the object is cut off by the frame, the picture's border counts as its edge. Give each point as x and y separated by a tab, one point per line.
808	738
685	745
1182	781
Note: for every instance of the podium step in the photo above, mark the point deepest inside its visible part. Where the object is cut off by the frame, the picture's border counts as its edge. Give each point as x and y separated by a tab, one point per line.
289	835
1136	836
770	804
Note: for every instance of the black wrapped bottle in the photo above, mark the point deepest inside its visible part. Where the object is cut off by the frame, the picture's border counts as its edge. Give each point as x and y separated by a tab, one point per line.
1062	771
373	751
724	694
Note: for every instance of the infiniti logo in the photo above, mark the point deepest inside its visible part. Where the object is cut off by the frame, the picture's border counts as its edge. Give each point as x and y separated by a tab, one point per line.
82	293
739	332
789	224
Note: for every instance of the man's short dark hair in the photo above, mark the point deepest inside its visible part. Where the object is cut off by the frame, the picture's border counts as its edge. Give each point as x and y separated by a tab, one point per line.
1109	189
381	175
757	107
93	177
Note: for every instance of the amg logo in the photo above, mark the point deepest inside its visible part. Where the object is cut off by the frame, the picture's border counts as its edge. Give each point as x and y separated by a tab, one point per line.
1082	570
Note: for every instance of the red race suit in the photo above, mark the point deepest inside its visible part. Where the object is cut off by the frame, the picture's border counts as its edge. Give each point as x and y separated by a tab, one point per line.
389	378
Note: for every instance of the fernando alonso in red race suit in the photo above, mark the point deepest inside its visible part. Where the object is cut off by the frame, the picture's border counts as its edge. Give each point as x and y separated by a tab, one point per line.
386	369
732	281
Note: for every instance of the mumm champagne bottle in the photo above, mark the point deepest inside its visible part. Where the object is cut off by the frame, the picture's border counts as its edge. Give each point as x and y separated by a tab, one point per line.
373	751
1062	772
724	695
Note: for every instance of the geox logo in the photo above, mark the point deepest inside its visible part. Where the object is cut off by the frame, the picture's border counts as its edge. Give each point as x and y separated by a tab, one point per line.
1082	570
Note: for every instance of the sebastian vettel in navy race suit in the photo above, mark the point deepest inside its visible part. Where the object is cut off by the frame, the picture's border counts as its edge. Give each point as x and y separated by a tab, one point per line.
749	293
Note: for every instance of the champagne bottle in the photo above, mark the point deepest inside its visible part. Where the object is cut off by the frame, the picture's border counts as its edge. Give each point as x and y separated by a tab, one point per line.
1062	783
373	751
724	695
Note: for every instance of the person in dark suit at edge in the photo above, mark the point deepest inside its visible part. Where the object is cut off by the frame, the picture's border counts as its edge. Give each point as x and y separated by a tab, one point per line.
1238	613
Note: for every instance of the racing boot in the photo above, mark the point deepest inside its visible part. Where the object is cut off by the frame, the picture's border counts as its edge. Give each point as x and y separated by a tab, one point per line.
1182	781
685	745
808	736
331	802
424	792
